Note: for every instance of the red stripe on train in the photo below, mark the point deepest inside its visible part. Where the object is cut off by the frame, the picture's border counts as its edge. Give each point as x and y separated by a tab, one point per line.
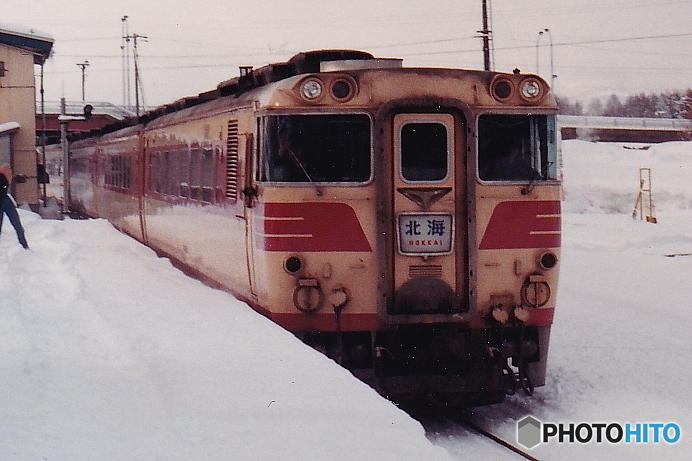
523	224
312	226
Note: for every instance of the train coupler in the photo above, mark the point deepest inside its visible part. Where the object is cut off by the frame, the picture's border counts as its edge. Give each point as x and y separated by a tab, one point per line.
511	380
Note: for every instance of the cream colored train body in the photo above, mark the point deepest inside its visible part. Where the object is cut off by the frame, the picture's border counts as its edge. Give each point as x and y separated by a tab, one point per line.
404	220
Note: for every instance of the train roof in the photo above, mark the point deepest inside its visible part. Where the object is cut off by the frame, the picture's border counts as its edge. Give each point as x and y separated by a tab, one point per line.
302	63
250	79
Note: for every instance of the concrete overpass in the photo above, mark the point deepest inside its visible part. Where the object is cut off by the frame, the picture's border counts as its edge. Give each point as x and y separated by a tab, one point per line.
624	129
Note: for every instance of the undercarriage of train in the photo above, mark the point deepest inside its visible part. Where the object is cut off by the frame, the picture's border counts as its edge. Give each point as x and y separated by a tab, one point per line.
446	364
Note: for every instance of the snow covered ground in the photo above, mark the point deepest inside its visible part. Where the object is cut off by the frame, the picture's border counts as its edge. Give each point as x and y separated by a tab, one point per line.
108	352
621	341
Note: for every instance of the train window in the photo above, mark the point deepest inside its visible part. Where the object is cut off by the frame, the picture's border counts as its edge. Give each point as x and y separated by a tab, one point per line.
195	189
219	185
207	166
184	184
165	173
173	170
517	148
424	151
316	148
118	171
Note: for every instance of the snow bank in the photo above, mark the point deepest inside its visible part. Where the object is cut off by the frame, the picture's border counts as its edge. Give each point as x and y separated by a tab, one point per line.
108	352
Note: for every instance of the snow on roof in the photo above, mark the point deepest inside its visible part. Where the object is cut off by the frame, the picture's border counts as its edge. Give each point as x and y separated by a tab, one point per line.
8	127
27	38
25	31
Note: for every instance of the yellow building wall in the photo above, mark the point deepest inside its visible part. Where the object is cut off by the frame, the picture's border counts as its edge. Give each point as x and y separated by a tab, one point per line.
18	104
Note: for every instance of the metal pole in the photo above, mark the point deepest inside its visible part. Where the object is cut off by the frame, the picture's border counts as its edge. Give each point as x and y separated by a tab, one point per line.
134	54
123	47
485	33
126	60
136	59
43	136
538	39
552	68
552	62
83	66
65	160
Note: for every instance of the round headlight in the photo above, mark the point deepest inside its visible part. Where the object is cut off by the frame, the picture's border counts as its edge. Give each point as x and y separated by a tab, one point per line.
311	89
531	89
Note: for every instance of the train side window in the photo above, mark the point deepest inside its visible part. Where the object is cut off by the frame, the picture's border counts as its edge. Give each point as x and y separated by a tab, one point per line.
127	174
316	148
207	172
219	184
172	173
195	189
184	180
118	171
424	151
517	148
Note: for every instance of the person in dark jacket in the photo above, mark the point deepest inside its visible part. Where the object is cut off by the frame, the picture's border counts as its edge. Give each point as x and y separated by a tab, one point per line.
9	207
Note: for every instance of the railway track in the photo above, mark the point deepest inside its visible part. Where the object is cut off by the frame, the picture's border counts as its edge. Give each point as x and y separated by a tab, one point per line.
479	430
451	424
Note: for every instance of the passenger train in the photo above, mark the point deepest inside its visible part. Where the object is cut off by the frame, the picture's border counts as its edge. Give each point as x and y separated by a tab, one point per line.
404	221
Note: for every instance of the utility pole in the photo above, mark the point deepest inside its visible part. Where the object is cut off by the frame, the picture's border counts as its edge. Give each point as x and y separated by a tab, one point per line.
43	136
83	66
125	47
136	58
485	35
552	64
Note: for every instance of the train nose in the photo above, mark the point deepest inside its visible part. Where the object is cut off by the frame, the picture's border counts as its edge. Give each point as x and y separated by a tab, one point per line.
425	296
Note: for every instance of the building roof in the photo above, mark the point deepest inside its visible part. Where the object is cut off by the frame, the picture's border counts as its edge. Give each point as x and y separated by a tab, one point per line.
26	38
74	107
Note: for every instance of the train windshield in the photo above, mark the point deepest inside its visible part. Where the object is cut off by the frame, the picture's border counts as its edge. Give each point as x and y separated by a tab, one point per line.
316	148
517	148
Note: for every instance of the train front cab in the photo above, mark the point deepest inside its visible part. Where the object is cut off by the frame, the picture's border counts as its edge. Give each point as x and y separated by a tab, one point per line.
474	245
385	239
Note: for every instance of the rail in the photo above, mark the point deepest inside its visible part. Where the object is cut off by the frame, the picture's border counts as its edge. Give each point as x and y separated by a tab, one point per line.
444	420
479	430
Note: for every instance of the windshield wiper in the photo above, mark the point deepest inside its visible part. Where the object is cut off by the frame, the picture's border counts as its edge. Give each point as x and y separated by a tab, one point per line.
307	175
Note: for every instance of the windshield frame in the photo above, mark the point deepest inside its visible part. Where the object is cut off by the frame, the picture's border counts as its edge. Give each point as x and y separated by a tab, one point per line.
548	162
262	173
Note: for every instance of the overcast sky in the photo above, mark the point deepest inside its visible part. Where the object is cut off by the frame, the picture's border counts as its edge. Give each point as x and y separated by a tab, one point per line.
600	47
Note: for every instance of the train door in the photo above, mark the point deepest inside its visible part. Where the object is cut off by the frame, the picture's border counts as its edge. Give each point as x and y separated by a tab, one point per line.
429	211
246	157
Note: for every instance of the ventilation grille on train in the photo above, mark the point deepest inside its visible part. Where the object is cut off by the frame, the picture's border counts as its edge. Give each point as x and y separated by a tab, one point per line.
232	160
425	272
